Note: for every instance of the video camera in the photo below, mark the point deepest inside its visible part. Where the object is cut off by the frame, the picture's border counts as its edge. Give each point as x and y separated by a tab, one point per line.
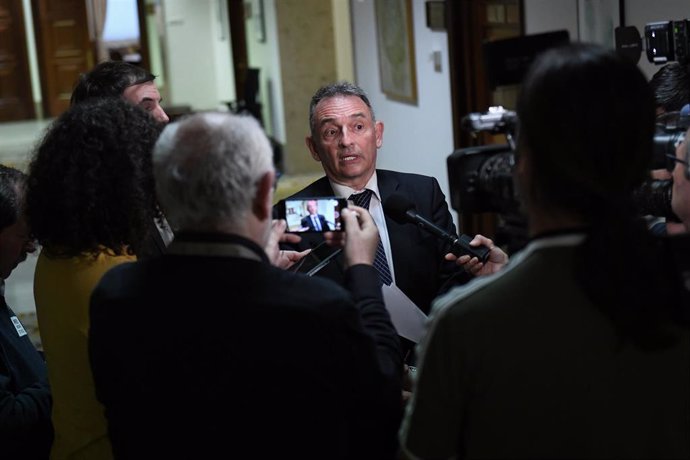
654	196
665	41
481	178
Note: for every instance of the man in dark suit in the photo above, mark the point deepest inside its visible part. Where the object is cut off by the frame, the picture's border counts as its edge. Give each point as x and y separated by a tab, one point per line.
314	221
345	137
242	358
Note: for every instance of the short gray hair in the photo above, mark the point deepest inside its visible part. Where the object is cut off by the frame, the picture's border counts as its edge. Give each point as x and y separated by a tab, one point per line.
207	167
341	88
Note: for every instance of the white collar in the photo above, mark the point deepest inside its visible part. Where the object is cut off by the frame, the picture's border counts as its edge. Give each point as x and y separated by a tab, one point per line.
345	191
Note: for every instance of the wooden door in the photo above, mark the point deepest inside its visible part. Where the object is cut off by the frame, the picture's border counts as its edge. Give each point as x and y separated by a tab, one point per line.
471	23
64	49
16	102
238	40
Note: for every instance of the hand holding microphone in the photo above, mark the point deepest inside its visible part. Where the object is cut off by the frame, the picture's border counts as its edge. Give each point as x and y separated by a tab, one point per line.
402	210
497	258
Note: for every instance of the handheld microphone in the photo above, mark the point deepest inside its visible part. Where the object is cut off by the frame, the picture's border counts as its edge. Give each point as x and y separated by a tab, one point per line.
402	210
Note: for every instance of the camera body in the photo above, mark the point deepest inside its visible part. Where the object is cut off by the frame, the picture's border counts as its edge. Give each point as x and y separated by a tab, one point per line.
667	41
481	178
670	132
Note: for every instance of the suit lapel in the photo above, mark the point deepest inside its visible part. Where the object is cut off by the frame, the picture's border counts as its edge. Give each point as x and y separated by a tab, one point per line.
398	234
387	182
319	188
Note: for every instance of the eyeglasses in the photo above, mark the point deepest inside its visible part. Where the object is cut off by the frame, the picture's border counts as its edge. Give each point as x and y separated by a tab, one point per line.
677	160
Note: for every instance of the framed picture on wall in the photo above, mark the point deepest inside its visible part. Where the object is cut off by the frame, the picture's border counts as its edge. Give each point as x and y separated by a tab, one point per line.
395	35
260	24
597	20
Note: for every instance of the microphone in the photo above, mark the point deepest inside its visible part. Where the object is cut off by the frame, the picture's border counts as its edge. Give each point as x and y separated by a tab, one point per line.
402	210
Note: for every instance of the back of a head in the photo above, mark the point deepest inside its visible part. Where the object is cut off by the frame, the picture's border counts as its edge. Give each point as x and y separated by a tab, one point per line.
671	86
586	128
12	183
108	79
207	167
587	120
90	180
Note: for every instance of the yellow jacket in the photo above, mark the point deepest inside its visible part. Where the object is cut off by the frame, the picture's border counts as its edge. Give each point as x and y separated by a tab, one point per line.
62	289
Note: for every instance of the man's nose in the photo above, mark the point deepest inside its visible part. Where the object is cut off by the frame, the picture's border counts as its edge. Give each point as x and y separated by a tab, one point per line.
159	115
345	138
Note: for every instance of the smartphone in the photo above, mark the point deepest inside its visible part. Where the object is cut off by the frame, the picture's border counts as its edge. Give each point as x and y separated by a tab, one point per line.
315	215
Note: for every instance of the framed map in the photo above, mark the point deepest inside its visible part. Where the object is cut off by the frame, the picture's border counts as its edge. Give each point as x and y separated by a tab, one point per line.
395	34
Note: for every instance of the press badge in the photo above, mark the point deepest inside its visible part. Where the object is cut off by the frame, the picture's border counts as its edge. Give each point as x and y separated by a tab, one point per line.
18	326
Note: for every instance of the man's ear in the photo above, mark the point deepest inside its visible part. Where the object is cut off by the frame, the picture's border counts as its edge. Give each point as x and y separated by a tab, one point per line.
378	131
262	205
311	145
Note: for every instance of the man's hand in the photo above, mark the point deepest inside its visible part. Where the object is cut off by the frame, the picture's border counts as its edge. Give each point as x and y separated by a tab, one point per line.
280	258
360	237
497	258
408	382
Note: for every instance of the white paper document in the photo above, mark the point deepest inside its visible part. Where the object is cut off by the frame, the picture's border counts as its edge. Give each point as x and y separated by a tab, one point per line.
408	319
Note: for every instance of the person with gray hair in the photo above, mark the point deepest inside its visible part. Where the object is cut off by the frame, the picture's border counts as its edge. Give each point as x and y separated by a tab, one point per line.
242	357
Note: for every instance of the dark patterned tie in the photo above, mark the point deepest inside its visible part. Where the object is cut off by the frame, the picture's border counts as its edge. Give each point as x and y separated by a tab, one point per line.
380	262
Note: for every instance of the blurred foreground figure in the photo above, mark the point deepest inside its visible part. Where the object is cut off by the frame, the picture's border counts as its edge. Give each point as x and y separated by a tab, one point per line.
577	348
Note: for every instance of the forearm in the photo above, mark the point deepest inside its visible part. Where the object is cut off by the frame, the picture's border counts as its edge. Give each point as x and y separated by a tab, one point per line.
363	283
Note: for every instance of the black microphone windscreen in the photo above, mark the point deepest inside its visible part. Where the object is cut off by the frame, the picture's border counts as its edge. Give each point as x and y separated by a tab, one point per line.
396	207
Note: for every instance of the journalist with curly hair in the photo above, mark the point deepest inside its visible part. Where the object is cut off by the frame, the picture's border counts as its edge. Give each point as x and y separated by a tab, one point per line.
90	203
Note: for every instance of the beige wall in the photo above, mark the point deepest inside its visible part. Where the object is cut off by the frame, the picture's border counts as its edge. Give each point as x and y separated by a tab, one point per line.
307	61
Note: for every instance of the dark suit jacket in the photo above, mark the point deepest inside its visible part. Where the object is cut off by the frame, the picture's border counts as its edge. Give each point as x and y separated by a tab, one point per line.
243	360
307	222
420	269
26	431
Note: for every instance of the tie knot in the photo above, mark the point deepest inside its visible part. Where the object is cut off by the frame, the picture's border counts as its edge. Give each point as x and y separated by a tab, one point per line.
362	199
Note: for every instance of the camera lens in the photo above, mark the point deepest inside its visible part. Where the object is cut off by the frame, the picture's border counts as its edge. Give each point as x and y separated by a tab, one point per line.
665	143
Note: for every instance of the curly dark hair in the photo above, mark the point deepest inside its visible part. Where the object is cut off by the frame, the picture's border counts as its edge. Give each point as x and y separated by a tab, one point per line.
91	183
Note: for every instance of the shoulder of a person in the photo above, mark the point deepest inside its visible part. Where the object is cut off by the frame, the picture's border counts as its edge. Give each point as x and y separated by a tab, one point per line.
411	182
127	275
317	188
386	173
314	291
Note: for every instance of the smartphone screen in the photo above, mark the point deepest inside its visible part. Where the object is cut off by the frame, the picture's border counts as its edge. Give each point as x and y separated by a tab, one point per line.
321	214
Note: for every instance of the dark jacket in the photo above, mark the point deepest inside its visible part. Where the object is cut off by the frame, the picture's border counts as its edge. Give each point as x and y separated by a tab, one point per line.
26	431
242	359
